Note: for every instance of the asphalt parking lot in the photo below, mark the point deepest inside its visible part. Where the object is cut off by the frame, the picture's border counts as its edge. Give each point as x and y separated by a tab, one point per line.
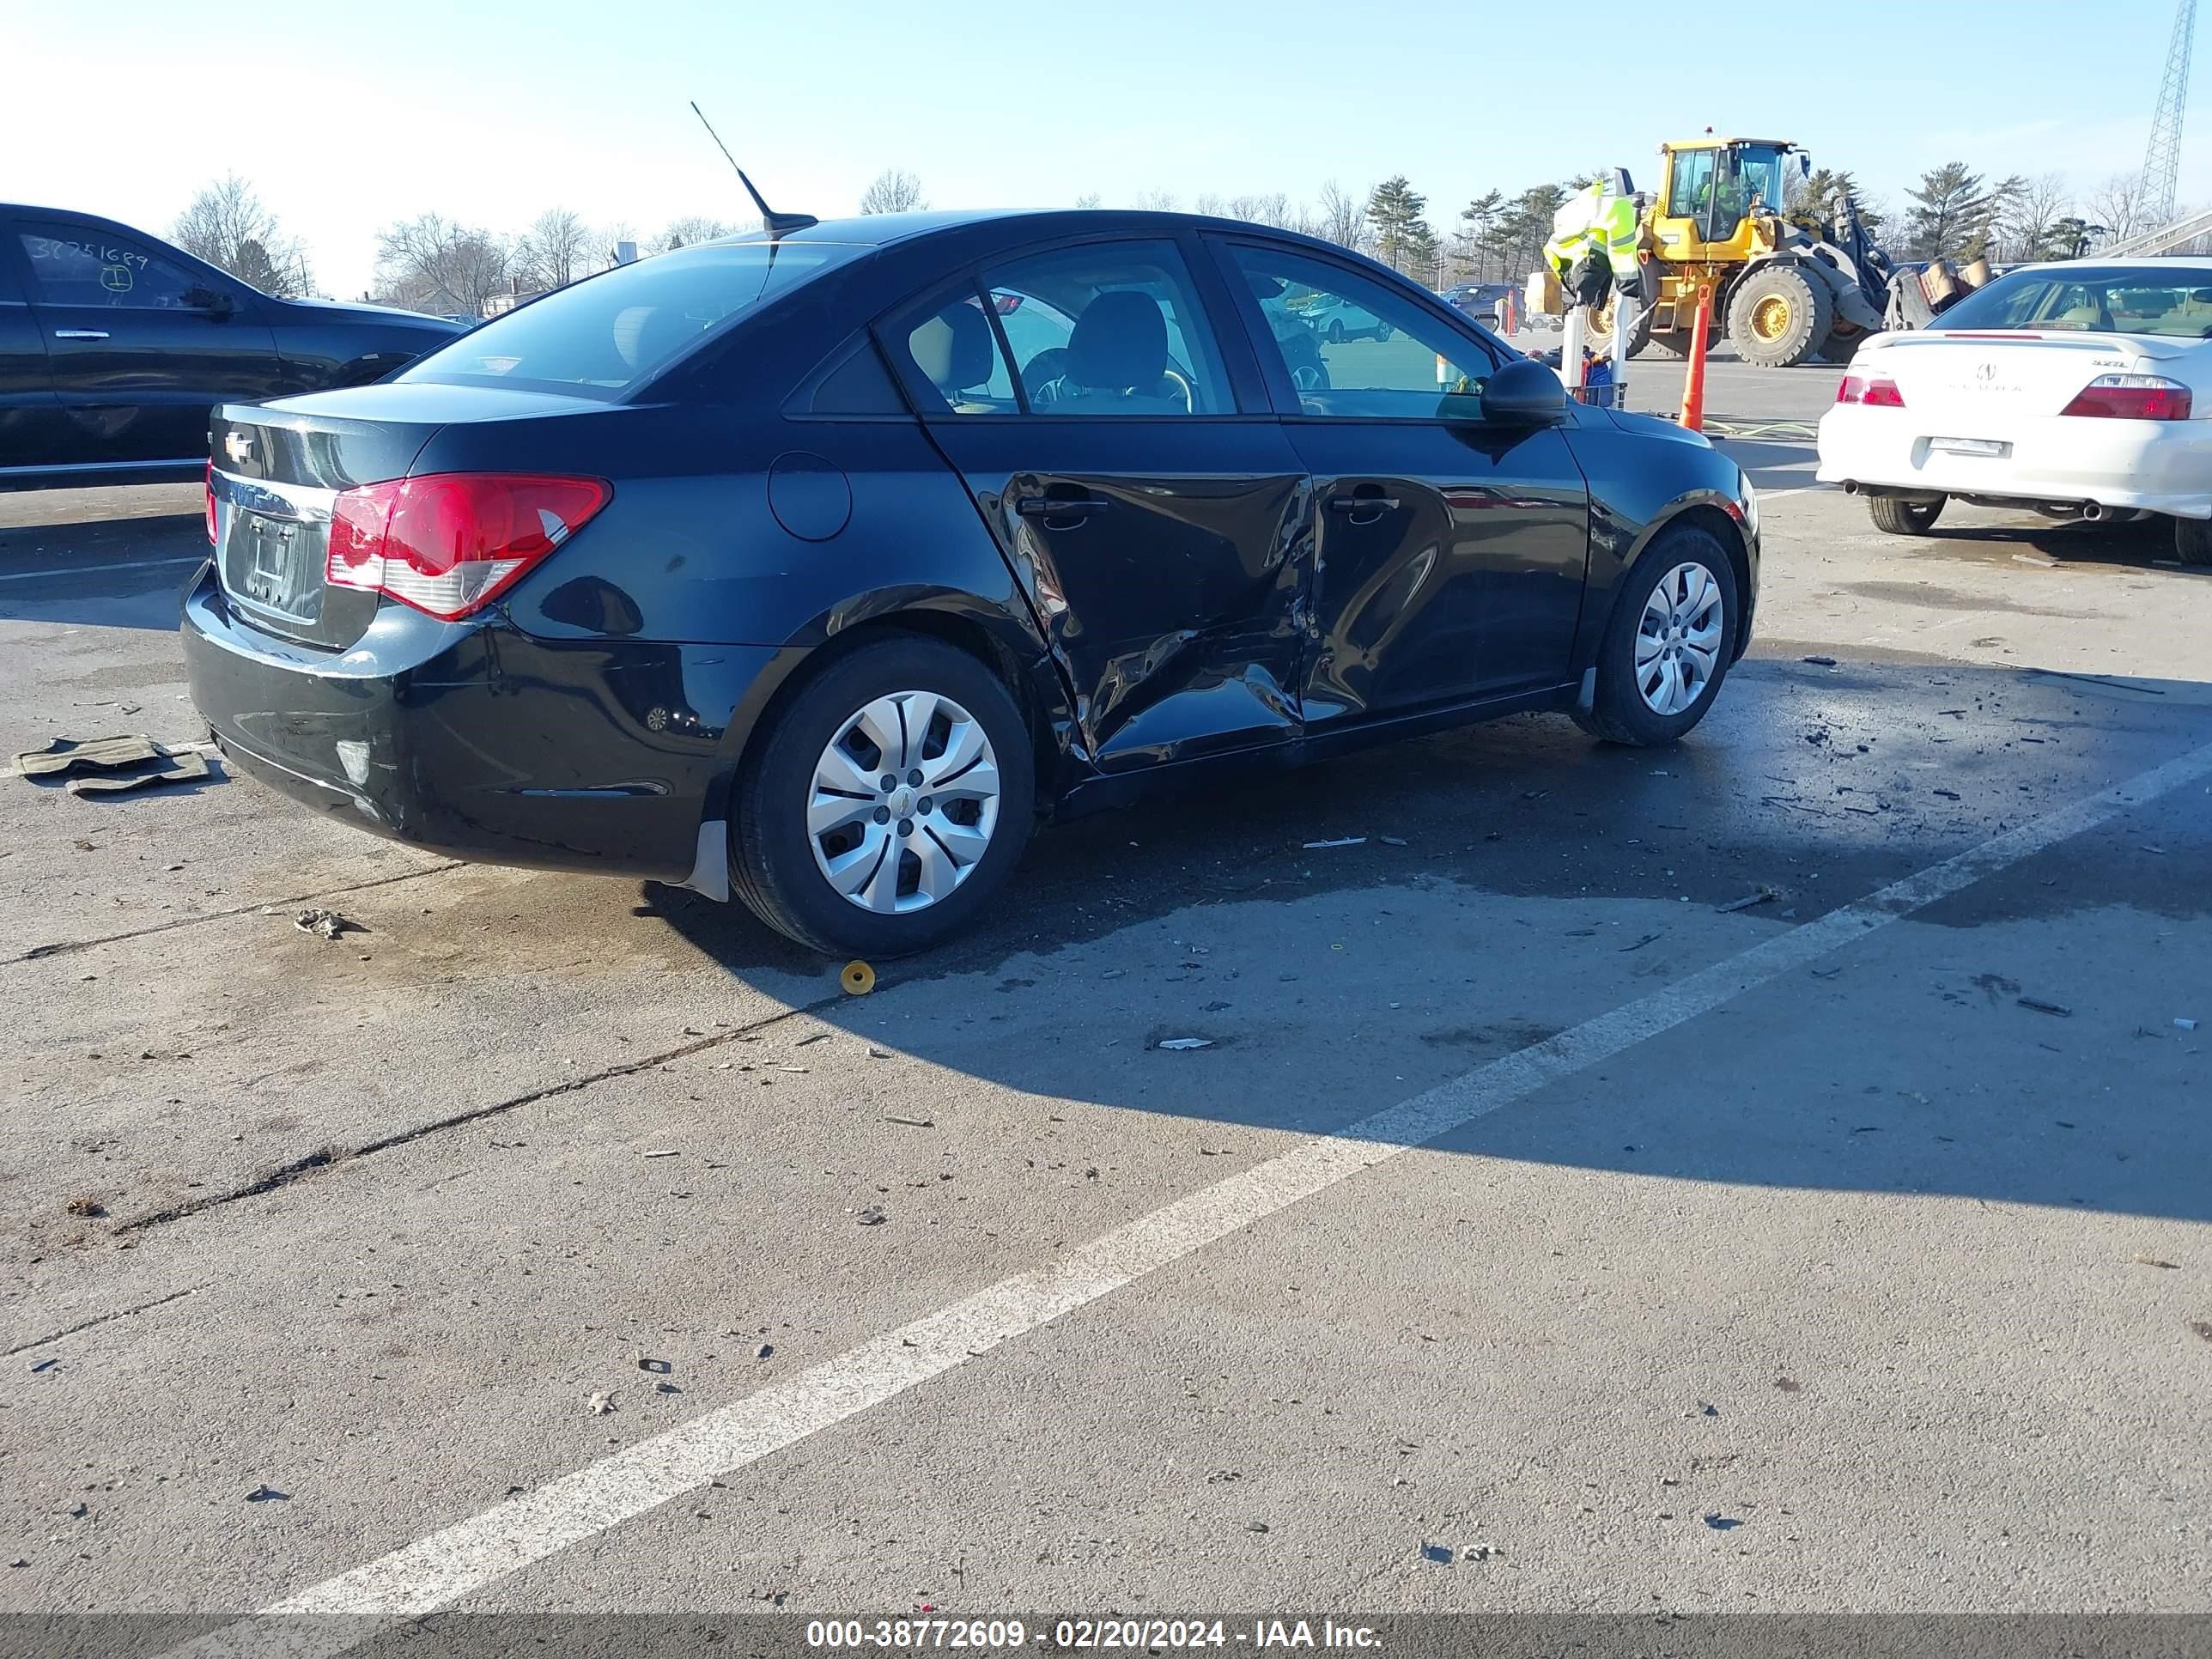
1542	1228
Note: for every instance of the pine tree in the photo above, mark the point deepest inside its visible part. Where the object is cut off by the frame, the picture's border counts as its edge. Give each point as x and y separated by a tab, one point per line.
1402	236
1950	209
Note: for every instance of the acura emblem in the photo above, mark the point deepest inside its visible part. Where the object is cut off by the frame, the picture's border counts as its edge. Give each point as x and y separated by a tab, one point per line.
238	446
1986	372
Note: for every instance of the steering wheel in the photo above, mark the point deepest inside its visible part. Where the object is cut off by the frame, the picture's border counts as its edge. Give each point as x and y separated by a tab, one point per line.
1181	381
1048	366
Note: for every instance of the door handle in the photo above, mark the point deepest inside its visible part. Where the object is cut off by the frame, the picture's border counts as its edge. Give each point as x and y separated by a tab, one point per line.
1060	507
1361	503
80	334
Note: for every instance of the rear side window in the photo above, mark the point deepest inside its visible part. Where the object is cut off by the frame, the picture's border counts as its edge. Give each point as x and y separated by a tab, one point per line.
1108	329
603	336
82	265
952	358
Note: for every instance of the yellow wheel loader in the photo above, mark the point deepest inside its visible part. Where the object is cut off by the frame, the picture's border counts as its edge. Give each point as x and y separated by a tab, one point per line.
1782	294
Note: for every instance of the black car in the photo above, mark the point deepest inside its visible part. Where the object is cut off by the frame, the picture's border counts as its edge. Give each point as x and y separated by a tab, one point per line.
819	570
114	346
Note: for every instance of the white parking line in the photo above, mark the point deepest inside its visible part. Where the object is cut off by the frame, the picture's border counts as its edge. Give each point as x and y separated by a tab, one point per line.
439	1569
95	569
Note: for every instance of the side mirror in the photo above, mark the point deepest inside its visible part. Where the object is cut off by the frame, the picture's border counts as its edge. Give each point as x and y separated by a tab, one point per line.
1524	393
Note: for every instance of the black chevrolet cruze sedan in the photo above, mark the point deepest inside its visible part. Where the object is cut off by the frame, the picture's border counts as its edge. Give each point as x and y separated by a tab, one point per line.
819	569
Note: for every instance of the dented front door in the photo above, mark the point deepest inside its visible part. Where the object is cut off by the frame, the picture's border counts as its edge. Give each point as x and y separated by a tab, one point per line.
1165	562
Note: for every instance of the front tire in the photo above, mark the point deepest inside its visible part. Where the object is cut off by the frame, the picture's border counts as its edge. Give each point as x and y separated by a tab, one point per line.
836	845
1669	643
1778	317
1897	517
2192	541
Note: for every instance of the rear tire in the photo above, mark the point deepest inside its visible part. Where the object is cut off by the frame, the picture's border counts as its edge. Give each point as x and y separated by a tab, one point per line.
1897	517
1599	334
776	865
1624	710
1778	317
2192	541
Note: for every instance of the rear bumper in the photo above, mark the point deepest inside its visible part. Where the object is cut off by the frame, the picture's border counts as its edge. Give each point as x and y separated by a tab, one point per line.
475	740
2157	466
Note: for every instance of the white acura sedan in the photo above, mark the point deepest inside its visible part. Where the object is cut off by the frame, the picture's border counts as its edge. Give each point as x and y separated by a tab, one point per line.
2080	391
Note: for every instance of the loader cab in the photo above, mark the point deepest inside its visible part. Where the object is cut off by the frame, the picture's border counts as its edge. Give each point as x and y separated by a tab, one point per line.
1716	194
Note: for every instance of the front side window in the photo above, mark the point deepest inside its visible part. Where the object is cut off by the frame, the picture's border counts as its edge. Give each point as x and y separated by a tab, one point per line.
81	266
1352	347
1692	183
1110	329
602	336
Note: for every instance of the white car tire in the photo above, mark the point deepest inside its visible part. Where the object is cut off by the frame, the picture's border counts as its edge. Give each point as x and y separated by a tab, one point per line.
1897	517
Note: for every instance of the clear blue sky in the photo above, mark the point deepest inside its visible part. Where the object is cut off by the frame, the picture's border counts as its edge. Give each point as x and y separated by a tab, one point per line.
347	116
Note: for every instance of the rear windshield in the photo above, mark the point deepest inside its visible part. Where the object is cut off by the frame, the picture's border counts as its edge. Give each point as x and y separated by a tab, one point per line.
604	335
2175	300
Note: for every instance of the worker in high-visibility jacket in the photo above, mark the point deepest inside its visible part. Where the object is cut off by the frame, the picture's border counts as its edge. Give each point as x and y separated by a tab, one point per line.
1593	243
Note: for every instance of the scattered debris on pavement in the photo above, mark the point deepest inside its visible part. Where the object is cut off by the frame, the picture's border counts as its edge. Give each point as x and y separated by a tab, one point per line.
1178	1043
858	979
1819	662
2042	1007
660	1151
1722	1523
1763	896
2143	1260
111	765
599	1405
2185	1024
85	1205
1348	841
1391	840
874	1216
265	1493
764	1351
326	924
911	1122
658	1367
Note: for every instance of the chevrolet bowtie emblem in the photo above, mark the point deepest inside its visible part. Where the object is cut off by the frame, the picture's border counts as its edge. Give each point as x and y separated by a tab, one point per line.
238	446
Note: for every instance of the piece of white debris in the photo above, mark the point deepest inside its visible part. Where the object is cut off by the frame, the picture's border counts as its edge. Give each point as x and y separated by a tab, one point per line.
1187	1042
1348	840
600	1404
2185	1024
324	924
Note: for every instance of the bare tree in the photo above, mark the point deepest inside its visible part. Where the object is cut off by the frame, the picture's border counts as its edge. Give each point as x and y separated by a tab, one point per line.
682	233
431	262
1211	205
2040	204
2119	205
226	226
1157	201
555	250
1343	216
1089	198
893	192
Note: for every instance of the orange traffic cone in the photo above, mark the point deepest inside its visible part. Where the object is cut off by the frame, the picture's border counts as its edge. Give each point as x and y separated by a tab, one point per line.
1693	386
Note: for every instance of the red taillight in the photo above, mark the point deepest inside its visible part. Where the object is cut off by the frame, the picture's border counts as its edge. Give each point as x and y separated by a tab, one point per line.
453	542
2132	398
1874	390
210	503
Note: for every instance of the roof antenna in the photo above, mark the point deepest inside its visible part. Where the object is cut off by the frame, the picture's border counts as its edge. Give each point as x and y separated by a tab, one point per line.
775	224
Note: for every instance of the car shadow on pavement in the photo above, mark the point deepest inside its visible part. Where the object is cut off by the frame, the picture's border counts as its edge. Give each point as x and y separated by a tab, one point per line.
1543	880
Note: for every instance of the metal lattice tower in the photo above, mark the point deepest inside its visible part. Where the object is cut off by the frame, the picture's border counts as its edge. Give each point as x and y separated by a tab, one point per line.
2162	163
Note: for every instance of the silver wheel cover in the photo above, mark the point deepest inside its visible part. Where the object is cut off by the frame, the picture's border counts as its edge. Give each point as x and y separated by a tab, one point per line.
904	802
1679	639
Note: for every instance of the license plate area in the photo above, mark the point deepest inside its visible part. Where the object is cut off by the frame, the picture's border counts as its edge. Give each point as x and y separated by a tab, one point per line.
1995	449
273	564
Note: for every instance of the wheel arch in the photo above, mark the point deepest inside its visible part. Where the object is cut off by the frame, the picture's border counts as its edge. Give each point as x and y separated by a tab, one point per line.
1717	515
963	621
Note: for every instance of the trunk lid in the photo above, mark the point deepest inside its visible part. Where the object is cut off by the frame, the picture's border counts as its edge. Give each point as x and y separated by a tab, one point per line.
1998	377
279	466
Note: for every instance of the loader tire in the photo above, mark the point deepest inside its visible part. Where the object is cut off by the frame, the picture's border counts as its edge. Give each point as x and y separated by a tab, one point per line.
1599	330
1778	317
